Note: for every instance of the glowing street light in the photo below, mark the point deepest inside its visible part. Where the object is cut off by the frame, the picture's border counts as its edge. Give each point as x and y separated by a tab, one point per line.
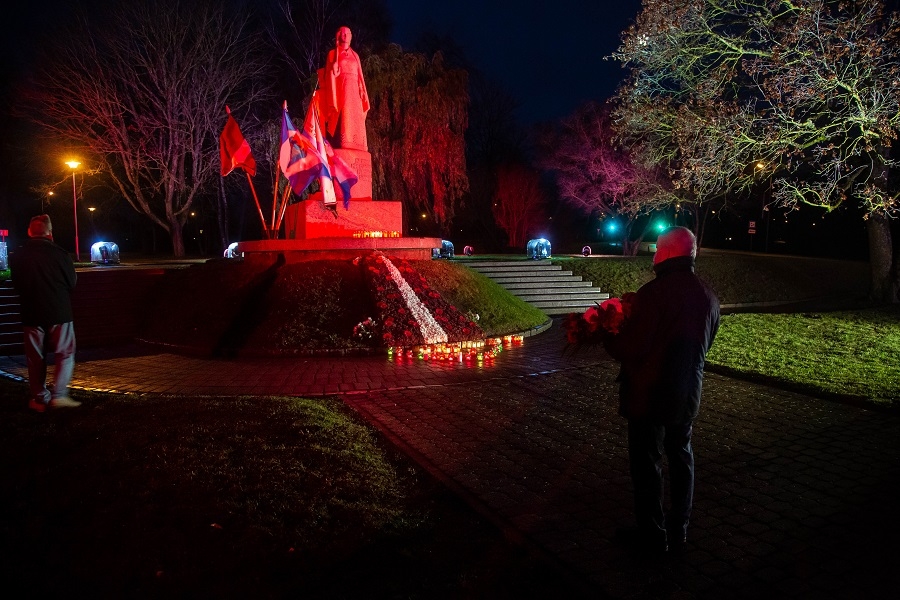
73	164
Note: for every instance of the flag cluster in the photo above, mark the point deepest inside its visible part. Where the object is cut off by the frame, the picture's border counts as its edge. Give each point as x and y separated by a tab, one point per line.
306	156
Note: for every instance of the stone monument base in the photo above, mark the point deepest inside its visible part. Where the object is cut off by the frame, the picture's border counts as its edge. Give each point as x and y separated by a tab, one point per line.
268	252
364	219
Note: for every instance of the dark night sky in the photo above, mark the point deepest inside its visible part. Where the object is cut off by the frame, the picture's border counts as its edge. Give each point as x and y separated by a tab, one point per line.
547	54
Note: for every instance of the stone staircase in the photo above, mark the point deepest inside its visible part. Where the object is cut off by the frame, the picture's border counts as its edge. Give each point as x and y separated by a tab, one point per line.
10	321
540	283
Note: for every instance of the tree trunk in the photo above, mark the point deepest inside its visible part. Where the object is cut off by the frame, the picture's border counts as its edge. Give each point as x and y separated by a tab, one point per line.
884	283
176	232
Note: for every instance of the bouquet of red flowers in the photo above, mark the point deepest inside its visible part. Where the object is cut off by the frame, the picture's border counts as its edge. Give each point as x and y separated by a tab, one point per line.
599	321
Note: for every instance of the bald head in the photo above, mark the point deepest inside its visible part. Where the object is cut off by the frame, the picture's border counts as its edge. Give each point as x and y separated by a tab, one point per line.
40	227
673	242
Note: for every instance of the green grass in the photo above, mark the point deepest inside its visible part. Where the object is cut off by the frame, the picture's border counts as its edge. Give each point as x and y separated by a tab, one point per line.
232	498
839	354
846	354
736	278
499	312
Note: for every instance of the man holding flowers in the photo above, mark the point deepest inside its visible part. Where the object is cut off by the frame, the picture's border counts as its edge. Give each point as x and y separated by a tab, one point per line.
662	348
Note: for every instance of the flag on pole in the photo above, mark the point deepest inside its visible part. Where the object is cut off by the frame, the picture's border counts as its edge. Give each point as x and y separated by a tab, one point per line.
301	162
234	149
341	172
312	131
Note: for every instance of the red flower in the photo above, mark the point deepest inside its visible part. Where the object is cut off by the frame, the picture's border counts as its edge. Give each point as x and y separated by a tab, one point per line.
599	321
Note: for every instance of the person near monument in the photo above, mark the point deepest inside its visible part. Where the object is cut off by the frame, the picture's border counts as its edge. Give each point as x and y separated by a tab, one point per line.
345	101
44	276
662	349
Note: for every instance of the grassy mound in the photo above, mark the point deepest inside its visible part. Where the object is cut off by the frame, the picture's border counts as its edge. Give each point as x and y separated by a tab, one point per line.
223	307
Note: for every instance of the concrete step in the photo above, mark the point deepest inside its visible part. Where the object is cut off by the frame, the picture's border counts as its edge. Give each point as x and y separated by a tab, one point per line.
515	267
533	279
561	294
542	284
557	285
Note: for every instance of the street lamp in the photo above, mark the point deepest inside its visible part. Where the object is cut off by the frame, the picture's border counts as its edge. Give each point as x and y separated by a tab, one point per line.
73	164
91	214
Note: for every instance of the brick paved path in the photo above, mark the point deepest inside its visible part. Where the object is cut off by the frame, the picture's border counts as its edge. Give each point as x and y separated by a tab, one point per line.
795	496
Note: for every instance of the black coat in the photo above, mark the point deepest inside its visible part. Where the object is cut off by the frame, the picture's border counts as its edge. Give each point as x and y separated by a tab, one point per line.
43	274
663	345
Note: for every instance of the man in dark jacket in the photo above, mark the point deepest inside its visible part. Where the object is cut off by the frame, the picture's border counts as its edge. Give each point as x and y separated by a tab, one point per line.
44	276
662	348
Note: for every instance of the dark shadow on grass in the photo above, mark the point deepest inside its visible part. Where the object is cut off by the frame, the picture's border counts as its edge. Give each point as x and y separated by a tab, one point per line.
250	314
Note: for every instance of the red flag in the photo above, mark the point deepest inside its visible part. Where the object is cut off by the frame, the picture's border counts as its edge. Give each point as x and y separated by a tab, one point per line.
234	149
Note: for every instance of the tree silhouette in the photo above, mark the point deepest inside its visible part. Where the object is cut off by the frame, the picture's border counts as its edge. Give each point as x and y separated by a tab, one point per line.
519	203
803	93
142	93
416	133
596	174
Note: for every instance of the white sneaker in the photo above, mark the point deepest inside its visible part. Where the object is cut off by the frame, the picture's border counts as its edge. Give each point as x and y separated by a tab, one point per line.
64	402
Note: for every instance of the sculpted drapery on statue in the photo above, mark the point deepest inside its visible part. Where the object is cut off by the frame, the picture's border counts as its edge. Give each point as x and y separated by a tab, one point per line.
345	100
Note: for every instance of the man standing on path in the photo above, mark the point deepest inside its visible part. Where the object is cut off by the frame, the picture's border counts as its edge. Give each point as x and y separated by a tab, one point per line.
662	348
43	274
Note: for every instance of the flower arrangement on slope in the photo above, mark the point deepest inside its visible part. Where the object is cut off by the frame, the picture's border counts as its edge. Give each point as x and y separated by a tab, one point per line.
597	322
410	312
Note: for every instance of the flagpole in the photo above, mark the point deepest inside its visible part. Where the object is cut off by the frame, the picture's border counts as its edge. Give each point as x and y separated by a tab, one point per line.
258	207
284	204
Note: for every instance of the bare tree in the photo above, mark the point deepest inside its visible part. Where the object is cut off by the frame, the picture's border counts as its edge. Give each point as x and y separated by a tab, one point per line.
519	202
596	174
302	31
142	92
727	94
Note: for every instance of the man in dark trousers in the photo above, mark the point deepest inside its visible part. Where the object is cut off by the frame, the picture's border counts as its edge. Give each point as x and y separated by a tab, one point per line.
662	348
44	276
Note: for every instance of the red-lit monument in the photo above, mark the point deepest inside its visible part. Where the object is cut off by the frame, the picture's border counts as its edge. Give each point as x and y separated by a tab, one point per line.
319	227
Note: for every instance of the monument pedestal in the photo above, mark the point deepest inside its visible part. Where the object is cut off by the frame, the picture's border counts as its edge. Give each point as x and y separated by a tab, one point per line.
313	232
361	163
364	219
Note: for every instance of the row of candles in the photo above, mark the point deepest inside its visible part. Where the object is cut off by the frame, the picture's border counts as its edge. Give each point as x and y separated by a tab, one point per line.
376	234
480	350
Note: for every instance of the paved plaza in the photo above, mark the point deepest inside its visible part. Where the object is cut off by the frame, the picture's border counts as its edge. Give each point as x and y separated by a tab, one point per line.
795	496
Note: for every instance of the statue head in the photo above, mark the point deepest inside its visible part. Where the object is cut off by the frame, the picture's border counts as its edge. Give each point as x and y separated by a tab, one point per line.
343	37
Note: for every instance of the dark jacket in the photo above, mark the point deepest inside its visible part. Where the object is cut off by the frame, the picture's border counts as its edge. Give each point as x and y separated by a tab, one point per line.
43	274
663	345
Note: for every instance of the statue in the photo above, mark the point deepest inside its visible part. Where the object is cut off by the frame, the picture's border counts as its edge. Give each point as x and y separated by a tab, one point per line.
345	100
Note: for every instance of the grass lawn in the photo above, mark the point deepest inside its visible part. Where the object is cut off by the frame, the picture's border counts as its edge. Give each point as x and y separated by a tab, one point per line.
843	354
234	498
846	354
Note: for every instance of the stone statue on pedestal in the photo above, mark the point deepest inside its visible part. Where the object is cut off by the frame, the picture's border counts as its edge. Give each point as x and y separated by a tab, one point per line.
345	100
